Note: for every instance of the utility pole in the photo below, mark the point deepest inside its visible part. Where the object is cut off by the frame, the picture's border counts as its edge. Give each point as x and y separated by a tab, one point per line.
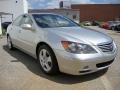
0	26
70	3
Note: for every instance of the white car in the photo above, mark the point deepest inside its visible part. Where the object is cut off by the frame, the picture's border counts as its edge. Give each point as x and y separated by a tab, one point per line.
87	23
60	44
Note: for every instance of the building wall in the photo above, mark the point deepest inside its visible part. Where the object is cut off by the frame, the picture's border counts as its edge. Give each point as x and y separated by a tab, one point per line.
100	12
15	7
20	7
5	6
25	6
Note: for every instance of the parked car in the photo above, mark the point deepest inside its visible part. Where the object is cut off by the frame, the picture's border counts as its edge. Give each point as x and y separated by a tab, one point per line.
110	25
87	23
60	44
117	27
113	24
5	25
96	23
104	25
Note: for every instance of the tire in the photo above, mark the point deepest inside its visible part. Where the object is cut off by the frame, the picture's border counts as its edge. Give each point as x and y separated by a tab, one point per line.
113	28
47	60
9	43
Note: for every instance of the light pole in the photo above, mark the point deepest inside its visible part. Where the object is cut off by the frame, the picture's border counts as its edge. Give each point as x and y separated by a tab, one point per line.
0	26
70	3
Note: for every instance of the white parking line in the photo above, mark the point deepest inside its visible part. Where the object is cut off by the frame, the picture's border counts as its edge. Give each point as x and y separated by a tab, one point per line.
106	83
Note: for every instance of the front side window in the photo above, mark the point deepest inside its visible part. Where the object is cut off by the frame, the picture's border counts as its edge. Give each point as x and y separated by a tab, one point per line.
26	20
17	21
51	21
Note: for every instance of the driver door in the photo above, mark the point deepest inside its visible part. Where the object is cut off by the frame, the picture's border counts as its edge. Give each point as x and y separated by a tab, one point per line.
27	36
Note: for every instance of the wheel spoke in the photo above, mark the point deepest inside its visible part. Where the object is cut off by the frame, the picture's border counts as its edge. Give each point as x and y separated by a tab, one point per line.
44	52
41	56
47	67
49	59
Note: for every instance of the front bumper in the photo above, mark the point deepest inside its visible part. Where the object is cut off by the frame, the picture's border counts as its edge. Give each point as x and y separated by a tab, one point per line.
80	64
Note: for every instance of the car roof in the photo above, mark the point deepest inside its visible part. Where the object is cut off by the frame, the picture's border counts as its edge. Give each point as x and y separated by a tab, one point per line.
44	13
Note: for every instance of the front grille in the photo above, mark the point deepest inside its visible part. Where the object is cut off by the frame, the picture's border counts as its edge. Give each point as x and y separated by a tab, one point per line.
104	64
106	47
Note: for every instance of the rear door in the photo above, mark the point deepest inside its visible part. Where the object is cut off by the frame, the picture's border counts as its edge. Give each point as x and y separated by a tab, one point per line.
14	30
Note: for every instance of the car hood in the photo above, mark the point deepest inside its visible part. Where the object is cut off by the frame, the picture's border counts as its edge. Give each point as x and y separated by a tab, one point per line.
82	34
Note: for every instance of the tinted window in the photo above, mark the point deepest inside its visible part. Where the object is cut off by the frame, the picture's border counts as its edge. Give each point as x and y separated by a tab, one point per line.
26	20
50	20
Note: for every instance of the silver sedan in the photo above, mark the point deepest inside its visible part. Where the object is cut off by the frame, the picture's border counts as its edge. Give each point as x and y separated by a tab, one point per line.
60	44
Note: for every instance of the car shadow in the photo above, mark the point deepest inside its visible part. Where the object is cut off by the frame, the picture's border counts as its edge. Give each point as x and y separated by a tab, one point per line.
62	78
118	31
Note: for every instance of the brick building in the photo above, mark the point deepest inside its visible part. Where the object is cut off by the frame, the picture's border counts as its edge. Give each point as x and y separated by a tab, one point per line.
100	12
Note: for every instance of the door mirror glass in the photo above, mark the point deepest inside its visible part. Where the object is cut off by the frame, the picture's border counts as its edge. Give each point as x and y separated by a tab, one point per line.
27	26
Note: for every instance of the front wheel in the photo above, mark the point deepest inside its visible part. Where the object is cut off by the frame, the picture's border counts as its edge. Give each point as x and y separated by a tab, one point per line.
47	59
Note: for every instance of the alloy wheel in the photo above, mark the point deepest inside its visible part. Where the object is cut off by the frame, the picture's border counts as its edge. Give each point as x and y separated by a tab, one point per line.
45	60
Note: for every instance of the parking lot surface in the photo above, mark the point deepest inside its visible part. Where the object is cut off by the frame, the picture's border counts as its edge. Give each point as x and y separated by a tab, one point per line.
19	71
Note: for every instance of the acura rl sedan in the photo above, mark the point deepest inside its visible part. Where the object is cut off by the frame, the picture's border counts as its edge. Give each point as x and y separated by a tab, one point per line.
59	44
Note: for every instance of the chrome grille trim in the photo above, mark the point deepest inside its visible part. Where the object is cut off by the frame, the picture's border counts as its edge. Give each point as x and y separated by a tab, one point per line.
108	47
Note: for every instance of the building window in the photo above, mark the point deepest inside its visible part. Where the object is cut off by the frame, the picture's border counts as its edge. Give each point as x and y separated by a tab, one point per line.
67	13
74	17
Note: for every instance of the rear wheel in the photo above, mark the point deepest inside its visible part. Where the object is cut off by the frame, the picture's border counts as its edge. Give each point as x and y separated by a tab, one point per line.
47	60
9	43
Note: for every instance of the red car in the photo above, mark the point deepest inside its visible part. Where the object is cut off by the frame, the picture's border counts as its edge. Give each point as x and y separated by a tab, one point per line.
111	25
104	25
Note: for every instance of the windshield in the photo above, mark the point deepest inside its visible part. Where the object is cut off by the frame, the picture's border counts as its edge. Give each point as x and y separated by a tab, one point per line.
111	22
51	21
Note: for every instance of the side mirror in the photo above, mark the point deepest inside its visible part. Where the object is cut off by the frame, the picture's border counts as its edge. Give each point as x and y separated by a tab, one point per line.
27	26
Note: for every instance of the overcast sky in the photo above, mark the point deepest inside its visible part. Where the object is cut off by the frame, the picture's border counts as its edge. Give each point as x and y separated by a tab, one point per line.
55	3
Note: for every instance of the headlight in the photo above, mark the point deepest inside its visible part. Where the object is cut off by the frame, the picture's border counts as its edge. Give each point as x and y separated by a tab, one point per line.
77	48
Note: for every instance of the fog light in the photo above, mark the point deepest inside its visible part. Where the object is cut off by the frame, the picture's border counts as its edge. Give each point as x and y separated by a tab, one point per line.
85	71
86	67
